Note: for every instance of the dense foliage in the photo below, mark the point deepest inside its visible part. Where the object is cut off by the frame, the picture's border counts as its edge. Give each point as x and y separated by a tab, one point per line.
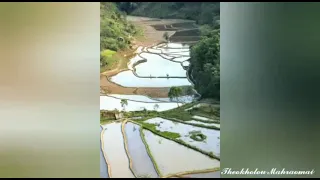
205	64
115	32
201	12
205	55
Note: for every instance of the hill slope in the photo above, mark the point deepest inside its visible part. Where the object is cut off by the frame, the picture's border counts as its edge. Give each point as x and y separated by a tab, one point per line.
201	12
115	32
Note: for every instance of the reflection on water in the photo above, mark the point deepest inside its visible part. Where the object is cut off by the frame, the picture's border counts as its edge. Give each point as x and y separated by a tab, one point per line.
172	157
110	103
186	63
128	79
142	164
103	164
134	97
203	123
115	151
183	99
159	67
210	144
177	45
133	61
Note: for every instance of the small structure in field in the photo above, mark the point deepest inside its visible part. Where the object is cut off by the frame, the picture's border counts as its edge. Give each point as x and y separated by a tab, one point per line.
118	115
115	115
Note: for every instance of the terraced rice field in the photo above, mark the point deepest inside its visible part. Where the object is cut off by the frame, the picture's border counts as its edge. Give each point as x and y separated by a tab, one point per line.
153	147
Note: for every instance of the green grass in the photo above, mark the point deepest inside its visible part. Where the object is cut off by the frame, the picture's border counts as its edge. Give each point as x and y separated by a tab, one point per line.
149	152
208	112
197	136
176	115
106	120
186	122
107	53
140	114
171	136
153	128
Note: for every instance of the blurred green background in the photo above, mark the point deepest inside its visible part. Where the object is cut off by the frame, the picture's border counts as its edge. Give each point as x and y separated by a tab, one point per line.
49	89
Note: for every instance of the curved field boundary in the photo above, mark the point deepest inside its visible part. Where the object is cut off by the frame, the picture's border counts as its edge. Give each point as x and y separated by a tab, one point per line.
184	25
125	142
155	165
155	99
164	53
143	49
159	101
188	32
145	60
192	124
167	54
185	38
209	122
181	143
164	45
163	27
192	172
133	66
104	154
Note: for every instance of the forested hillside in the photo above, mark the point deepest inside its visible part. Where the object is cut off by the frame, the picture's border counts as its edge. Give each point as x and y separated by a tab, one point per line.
205	55
115	32
201	12
205	64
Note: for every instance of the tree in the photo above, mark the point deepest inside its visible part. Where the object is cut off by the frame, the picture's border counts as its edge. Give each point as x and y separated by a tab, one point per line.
156	107
166	36
189	90
175	93
124	103
205	63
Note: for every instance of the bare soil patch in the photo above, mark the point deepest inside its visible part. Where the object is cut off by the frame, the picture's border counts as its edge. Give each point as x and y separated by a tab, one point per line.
151	38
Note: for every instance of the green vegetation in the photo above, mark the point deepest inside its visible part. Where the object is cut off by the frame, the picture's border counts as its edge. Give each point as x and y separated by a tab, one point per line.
205	64
142	113
206	111
124	103
107	53
193	124
153	128
115	32
106	121
107	59
197	136
175	93
170	136
156	167
205	55
180	113
201	12
156	107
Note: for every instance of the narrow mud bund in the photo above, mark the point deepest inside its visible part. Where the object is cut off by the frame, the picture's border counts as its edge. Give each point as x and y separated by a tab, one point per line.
141	163
173	158
130	149
115	151
103	163
210	144
150	69
111	103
